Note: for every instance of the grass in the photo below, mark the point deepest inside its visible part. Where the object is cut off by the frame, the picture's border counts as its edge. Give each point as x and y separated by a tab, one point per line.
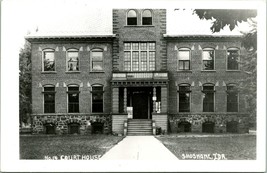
242	147
66	146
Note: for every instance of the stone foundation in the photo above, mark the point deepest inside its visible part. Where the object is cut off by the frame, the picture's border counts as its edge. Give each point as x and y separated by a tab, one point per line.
62	122
219	120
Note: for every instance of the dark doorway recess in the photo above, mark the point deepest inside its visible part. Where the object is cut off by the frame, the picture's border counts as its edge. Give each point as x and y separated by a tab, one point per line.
50	128
184	126
97	128
74	128
208	127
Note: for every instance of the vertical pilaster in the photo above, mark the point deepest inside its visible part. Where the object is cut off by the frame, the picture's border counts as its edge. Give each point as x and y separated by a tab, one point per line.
154	101
125	100
115	100
164	98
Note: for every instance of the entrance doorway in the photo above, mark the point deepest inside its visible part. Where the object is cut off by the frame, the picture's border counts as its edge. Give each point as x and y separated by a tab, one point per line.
140	98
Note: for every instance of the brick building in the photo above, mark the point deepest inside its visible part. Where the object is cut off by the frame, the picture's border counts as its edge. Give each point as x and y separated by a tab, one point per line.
137	79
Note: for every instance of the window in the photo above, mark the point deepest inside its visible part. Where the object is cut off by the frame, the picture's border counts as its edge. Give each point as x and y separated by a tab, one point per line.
97	60
184	98
131	18
97	98
72	60
139	56
208	98
147	17
49	98
208	59
48	60
73	98
184	59
232	98
232	59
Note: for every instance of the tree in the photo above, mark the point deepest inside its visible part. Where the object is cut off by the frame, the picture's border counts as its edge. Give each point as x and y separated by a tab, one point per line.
25	83
231	18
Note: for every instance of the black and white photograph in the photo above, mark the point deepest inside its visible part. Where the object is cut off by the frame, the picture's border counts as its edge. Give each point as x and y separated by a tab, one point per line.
133	86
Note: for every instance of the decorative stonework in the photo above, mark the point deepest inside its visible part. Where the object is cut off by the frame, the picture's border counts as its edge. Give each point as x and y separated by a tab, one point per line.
61	122
220	120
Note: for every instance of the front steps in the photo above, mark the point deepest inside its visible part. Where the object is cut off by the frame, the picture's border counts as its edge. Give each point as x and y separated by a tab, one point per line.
139	127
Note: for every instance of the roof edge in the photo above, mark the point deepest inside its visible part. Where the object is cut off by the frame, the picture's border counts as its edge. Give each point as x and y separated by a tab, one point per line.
201	36
70	36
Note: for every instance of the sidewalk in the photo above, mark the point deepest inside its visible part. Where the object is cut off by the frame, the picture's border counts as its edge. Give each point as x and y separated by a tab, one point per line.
139	148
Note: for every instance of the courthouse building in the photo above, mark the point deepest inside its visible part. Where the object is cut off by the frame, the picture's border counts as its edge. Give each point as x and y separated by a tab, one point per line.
137	79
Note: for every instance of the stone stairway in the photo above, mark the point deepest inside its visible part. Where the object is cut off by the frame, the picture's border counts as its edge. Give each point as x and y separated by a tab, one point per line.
139	127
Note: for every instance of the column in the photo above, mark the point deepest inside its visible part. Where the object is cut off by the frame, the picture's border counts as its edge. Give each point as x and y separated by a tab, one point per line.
164	99
115	100
154	101
125	100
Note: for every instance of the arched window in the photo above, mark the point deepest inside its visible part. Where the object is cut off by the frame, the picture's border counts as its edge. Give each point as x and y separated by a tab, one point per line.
232	98
48	60
208	56
131	17
184	98
208	97
73	98
208	127
49	98
97	60
147	17
233	59
72	60
97	98
184	126
184	59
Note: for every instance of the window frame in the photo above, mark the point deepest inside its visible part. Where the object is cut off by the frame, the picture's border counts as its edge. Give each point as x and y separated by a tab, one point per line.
92	92
228	91
91	59
185	91
178	59
69	92
150	62
202	61
207	91
142	17
238	64
67	60
43	58
49	92
127	17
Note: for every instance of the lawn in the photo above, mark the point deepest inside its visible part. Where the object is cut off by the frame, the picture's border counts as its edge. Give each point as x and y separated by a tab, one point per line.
231	147
76	147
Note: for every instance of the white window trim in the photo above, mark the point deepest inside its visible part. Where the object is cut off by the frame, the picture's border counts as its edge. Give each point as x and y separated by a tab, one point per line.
139	60
178	58
136	12
91	59
232	48
214	59
151	11
43	52
214	98
79	61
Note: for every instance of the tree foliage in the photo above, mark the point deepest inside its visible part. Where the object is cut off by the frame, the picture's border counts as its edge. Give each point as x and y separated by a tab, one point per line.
25	83
231	18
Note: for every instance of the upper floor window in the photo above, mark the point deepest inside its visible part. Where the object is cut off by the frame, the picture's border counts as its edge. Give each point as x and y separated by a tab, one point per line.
184	59
232	59
232	98
49	98
208	56
131	17
73	98
97	60
184	98
147	17
208	98
48	60
140	56
97	98
72	60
